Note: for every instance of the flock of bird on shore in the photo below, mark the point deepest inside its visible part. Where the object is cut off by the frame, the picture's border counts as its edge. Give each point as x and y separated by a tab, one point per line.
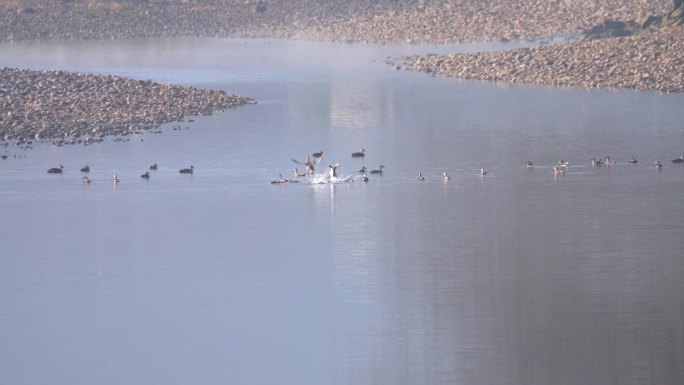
331	174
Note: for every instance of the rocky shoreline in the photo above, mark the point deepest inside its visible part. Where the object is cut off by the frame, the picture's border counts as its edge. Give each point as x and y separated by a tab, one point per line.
67	107
74	108
651	61
376	21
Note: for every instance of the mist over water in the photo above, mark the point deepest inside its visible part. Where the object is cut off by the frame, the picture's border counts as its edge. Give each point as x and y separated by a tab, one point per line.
517	277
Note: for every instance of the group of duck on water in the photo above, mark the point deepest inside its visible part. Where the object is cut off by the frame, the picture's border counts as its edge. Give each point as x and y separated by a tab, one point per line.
115	178
331	174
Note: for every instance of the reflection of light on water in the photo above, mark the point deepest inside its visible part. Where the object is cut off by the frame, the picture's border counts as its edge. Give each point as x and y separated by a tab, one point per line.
354	105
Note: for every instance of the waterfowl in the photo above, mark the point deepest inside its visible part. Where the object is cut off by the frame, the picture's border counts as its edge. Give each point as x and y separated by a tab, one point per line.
298	173
56	170
446	176
563	163
85	168
115	179
309	164
85	180
317	154
365	177
378	171
596	162
421	177
188	170
678	160
153	166
280	179
609	161
483	171
333	169
146	175
632	160
658	164
363	169
359	154
529	164
558	171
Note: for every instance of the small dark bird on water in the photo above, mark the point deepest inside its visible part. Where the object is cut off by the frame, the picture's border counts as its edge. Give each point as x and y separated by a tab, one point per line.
85	168
378	171
188	170
146	175
153	166
359	154
56	170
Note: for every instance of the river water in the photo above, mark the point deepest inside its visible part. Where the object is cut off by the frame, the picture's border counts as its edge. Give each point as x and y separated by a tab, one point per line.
515	277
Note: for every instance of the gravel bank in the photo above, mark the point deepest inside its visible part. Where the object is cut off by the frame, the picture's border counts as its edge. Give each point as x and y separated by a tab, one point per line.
383	21
71	108
650	61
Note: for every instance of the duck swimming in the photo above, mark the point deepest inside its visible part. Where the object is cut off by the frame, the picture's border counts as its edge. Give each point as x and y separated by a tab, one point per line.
146	175
153	166
359	154
421	177
188	170
483	171
317	154
678	160
115	179
378	171
363	169
658	164
85	180
56	170
529	164
446	176
364	177
282	179
632	160
279	180
85	168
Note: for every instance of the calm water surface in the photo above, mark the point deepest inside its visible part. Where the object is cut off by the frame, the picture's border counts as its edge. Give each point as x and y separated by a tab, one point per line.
220	277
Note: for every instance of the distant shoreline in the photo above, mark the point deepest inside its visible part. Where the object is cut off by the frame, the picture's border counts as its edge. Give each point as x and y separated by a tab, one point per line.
647	61
372	21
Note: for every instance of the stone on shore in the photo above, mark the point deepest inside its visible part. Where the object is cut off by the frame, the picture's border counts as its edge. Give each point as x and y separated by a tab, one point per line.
77	107
650	61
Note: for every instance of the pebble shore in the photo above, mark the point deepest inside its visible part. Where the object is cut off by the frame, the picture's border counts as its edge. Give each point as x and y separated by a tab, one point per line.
651	61
376	21
71	108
